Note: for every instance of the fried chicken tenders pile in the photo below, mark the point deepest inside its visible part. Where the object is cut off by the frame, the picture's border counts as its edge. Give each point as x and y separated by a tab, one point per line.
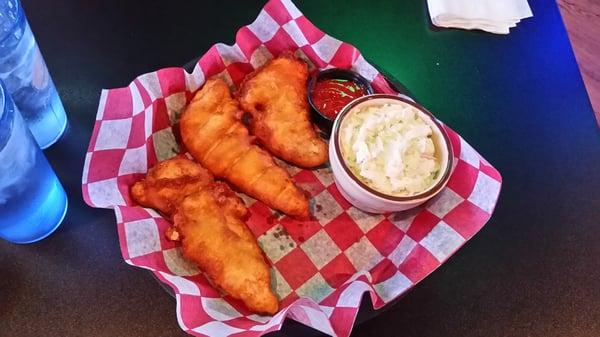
208	219
207	216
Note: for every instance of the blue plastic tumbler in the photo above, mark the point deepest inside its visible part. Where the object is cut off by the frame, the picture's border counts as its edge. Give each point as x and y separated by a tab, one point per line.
25	75
32	201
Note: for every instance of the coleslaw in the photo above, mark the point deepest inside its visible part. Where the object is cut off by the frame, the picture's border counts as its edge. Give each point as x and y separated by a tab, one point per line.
390	148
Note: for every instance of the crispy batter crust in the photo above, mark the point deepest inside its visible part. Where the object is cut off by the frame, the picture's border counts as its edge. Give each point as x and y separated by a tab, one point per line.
225	250
213	133
276	97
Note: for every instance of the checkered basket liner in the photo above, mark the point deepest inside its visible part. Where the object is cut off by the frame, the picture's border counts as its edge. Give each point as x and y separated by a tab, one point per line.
320	268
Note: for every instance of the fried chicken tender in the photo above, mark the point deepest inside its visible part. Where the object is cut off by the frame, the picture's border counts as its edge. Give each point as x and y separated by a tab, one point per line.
225	250
170	181
213	133
275	96
208	219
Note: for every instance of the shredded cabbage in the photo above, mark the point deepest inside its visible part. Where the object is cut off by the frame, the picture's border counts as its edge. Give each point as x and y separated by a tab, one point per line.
389	147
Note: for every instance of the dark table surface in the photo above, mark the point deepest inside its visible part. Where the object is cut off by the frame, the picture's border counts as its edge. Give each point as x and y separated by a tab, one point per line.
534	269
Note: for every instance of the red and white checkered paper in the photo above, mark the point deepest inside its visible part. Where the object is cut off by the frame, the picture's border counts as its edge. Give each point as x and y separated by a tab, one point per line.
320	268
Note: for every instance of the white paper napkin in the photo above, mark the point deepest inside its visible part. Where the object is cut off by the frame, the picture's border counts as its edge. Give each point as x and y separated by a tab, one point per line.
494	16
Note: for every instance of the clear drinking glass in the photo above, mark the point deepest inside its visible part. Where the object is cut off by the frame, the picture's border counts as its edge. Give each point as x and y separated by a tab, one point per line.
32	201
25	75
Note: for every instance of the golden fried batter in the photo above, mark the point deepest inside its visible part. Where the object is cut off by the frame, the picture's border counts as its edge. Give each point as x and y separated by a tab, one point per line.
275	96
213	133
170	181
225	250
208	220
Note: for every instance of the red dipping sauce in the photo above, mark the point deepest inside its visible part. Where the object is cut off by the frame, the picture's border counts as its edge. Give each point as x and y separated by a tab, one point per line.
331	95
